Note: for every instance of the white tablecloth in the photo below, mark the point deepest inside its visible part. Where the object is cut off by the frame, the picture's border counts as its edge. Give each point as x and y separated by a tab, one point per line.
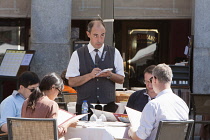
98	133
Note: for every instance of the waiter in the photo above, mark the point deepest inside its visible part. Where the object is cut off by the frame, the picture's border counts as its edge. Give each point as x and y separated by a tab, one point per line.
86	62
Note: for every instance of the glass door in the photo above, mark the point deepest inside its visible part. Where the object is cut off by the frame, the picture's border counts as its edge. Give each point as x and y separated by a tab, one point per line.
142	50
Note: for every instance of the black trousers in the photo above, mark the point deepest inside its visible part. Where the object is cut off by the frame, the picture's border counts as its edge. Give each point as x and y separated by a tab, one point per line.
110	107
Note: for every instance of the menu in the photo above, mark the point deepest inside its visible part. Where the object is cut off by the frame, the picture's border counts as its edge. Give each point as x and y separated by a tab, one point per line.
134	117
11	62
64	116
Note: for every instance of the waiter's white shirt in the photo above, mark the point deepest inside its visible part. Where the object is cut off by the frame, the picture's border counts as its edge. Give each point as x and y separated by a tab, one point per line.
73	67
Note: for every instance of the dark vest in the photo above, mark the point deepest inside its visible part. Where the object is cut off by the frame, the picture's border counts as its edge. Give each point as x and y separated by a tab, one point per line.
138	100
98	89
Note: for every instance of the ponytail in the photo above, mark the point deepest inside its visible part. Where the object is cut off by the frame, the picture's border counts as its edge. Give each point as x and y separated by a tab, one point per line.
35	95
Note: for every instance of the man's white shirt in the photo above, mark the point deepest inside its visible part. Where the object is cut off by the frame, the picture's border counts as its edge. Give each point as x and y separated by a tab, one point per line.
73	67
166	106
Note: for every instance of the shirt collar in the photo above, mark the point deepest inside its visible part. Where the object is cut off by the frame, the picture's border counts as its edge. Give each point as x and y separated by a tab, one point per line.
164	92
91	48
149	98
145	93
16	93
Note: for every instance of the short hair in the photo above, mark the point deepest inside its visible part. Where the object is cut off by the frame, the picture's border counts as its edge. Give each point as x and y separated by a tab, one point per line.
149	69
28	78
163	73
92	22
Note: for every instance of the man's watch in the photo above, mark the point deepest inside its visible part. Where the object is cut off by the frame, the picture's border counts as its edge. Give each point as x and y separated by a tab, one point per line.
109	76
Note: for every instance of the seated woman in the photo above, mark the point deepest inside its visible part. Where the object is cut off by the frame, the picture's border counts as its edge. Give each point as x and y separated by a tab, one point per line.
67	88
41	104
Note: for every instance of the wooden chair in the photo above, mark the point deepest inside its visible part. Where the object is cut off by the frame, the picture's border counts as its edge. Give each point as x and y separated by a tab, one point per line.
59	98
174	130
201	106
32	129
63	105
69	97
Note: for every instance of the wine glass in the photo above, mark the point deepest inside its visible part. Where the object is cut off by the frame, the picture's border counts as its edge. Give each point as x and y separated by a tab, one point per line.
93	116
103	117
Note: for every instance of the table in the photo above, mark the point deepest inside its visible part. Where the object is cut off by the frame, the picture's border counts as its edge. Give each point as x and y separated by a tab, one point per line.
121	107
123	95
94	132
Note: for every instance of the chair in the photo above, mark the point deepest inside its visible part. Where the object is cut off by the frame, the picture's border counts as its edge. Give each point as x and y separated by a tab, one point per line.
32	129
59	98
63	105
174	130
201	106
3	136
69	97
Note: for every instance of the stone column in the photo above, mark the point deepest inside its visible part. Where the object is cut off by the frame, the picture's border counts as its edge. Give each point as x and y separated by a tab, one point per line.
107	13
50	35
201	53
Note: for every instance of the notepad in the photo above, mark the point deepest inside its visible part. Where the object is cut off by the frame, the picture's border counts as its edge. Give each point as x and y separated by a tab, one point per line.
105	70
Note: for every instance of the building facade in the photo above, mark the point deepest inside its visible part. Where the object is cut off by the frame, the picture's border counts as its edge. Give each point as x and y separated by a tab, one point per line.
52	27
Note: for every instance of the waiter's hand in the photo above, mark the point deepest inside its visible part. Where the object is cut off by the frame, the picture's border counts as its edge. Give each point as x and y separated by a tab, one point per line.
94	72
105	74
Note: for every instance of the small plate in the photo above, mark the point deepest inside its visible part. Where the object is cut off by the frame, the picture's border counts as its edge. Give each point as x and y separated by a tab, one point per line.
118	124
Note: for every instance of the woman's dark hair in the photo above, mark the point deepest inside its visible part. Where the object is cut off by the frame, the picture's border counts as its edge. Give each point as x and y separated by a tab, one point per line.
46	84
28	78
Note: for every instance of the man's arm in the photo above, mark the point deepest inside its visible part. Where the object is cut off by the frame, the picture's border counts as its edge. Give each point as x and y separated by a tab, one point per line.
80	80
117	78
8	109
113	76
4	128
132	134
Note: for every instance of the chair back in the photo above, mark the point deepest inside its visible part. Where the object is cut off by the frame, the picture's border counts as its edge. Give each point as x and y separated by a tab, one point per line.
201	104
174	130
69	97
32	129
59	98
63	105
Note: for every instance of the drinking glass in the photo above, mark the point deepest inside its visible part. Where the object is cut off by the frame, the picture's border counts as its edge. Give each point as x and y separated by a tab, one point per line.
93	116
102	116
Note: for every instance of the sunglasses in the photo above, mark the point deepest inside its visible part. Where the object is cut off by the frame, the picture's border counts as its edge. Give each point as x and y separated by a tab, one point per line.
146	82
31	89
59	90
150	79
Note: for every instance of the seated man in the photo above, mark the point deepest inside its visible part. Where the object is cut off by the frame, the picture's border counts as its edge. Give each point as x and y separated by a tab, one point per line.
166	105
12	105
140	98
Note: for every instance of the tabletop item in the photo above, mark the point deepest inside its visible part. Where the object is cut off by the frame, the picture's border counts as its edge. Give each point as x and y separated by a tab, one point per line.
93	116
118	124
122	117
102	116
85	110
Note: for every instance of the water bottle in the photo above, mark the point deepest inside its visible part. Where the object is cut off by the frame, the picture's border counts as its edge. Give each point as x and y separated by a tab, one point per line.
85	110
